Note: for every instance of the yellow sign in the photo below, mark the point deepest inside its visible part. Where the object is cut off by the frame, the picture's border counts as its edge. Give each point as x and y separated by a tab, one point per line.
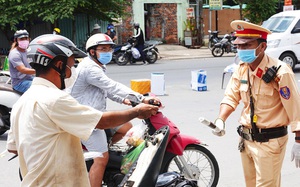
215	4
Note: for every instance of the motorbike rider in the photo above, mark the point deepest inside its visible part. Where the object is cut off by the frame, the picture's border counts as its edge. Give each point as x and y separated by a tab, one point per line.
91	88
20	71
111	33
47	123
140	41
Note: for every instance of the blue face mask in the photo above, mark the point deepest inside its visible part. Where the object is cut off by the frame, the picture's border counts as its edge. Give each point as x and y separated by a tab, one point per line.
247	55
105	57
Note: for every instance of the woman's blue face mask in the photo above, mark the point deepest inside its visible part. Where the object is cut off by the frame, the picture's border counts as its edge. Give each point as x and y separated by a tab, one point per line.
105	57
247	55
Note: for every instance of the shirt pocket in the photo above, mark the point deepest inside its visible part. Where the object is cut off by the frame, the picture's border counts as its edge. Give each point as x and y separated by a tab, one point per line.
265	96
244	92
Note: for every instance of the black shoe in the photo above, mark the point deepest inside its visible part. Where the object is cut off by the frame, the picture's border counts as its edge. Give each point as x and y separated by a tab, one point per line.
146	63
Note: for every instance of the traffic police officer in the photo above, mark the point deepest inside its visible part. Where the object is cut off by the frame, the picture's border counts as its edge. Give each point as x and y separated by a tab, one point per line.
269	92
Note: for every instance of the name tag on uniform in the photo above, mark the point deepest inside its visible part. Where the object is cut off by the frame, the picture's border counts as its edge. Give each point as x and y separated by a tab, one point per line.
243	81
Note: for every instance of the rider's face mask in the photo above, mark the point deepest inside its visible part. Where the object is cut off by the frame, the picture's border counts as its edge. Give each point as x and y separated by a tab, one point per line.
23	44
247	55
71	80
105	57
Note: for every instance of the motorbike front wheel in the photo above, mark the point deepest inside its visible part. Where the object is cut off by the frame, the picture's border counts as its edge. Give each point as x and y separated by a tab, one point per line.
151	56
122	59
201	162
217	51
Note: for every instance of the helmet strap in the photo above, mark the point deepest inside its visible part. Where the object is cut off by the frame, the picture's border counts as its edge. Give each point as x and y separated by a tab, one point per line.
62	73
95	57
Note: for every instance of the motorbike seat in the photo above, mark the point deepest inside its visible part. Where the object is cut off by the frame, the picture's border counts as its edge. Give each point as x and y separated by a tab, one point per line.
8	88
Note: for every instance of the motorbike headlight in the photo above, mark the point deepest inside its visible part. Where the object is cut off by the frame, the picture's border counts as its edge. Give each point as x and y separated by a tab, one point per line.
273	43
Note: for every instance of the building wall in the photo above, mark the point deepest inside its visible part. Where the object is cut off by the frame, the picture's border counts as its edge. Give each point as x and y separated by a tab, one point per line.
225	17
161	22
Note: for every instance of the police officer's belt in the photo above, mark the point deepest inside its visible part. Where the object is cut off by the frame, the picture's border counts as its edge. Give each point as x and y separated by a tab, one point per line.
263	135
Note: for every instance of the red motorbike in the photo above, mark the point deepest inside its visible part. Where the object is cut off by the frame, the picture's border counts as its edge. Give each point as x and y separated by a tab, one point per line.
184	155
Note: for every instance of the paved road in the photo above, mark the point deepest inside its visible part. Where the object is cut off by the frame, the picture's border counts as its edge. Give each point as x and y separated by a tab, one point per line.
183	106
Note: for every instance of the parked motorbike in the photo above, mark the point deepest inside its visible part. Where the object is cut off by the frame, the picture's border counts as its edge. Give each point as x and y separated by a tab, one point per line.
117	50
213	38
8	98
184	155
225	45
127	52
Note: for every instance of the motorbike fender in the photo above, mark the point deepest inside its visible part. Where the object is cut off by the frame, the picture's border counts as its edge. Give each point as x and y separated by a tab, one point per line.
178	143
8	98
159	120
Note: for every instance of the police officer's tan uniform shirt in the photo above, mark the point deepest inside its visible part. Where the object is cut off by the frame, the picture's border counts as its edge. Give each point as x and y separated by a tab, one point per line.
47	125
276	103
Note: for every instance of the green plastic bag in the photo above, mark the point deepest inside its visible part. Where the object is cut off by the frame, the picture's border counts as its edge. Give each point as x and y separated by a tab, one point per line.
6	64
131	157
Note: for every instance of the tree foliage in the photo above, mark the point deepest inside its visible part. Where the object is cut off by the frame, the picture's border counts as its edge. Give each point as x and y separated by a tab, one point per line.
257	11
26	11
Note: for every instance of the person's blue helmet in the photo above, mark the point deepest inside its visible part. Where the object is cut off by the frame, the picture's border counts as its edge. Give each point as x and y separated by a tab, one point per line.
110	27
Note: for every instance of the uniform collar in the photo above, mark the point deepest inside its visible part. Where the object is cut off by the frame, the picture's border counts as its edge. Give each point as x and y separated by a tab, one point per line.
260	69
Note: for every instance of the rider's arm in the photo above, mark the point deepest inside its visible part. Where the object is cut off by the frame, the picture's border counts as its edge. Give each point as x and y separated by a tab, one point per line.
21	68
138	33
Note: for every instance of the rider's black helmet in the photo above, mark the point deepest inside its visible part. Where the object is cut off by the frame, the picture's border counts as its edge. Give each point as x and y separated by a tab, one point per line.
43	49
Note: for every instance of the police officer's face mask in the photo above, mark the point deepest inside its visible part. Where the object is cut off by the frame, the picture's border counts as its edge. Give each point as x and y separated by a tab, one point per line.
247	55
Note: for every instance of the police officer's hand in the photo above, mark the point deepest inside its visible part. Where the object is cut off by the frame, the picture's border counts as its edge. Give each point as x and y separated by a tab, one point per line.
146	110
220	127
296	154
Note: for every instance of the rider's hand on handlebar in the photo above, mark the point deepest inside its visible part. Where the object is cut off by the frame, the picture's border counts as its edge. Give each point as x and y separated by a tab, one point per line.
13	151
126	102
152	101
220	127
146	110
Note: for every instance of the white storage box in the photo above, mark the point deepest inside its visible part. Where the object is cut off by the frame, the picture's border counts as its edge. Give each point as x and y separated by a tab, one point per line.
158	83
198	81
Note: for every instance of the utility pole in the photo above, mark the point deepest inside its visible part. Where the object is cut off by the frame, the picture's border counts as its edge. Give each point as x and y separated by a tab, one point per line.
199	21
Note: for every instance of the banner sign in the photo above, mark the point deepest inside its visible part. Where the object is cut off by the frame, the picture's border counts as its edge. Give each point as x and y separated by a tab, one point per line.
190	13
215	4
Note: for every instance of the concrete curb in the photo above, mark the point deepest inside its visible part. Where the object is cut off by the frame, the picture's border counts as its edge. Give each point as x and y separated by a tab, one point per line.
178	52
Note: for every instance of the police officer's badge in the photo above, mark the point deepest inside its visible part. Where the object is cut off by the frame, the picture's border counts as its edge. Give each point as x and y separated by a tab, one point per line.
285	92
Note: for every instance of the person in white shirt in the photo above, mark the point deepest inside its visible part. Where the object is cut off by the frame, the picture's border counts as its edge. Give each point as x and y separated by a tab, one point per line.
47	123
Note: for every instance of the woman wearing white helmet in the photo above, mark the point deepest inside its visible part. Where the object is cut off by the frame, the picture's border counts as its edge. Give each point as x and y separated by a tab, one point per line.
92	87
